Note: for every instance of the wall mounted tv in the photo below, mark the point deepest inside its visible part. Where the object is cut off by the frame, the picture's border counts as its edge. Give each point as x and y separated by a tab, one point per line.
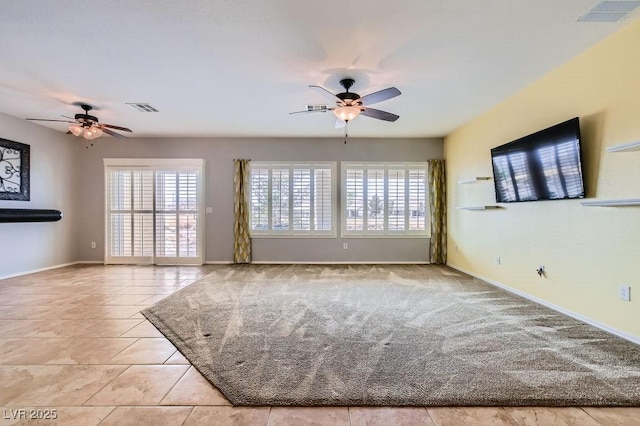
546	165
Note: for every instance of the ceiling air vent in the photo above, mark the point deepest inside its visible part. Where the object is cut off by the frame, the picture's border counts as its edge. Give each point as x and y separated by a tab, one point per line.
142	107
610	11
317	107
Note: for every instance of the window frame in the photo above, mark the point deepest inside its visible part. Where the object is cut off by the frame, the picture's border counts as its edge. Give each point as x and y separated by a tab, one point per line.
386	232
156	165
312	166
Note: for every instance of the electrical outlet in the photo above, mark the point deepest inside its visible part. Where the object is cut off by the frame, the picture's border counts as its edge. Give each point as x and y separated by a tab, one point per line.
93	244
624	292
345	246
498	260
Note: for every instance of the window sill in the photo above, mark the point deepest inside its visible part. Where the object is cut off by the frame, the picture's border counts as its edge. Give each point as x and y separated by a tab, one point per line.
395	237
289	236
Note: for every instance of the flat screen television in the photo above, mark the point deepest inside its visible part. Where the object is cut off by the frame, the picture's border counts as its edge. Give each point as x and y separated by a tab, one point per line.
546	165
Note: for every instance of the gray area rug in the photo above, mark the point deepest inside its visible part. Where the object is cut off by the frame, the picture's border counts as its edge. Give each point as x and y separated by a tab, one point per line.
389	336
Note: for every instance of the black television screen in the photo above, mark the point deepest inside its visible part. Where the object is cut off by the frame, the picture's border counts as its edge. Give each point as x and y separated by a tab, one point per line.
546	165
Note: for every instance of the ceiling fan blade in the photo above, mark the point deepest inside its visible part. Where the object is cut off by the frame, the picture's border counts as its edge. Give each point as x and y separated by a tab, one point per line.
42	119
111	126
340	124
315	110
379	96
380	115
327	94
66	116
112	133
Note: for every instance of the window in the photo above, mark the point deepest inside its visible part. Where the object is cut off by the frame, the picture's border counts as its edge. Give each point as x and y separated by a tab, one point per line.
289	199
384	199
154	211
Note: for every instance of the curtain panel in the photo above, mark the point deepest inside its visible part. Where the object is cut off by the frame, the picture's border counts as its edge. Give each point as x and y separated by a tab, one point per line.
437	203
242	239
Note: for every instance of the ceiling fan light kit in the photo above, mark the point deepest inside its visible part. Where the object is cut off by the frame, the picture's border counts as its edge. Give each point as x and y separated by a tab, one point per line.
347	113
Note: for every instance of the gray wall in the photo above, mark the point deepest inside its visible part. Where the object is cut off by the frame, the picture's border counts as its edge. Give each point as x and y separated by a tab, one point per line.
219	153
30	246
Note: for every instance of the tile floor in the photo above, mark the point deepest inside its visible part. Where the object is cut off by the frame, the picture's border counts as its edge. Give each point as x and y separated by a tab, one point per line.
73	342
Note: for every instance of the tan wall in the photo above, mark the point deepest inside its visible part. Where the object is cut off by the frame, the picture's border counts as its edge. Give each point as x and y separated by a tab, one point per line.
587	251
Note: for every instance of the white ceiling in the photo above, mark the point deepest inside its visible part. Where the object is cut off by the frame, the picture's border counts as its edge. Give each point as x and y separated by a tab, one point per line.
238	67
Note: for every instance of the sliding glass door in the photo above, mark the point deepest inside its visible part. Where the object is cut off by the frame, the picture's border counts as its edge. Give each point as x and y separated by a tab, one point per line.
154	211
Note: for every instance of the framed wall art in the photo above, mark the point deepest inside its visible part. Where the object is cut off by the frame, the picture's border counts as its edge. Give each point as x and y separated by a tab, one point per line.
14	171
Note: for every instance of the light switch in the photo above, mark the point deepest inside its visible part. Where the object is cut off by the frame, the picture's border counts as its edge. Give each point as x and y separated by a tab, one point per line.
209	210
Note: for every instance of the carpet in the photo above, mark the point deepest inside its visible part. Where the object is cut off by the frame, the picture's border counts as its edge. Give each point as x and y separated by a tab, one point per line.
389	336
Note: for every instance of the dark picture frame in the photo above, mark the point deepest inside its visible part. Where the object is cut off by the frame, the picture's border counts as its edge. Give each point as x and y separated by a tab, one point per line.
14	170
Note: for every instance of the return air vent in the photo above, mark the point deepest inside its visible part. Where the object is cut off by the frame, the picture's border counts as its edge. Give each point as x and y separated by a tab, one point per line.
610	11
142	107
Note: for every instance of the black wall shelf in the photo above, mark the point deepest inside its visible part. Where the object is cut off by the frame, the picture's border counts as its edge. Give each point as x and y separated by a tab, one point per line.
29	215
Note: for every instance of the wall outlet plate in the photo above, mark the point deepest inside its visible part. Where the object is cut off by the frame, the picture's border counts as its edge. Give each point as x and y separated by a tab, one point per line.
624	292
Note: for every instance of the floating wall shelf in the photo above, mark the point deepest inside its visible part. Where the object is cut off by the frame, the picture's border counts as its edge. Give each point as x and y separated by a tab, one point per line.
29	215
613	203
478	207
474	179
631	146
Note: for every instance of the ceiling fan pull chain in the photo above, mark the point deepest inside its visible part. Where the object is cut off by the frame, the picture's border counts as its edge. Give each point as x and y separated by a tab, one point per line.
346	132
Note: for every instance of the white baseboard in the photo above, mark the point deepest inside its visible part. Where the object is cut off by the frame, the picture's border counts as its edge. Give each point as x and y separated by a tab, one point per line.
218	262
346	262
579	317
89	262
33	271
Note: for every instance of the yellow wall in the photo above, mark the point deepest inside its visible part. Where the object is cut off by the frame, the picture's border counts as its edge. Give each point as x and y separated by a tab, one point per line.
587	251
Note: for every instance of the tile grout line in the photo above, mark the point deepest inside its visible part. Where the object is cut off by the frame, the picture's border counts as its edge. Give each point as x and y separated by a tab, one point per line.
429	416
269	416
108	414
105	385
589	414
128	330
188	415
174	385
124	349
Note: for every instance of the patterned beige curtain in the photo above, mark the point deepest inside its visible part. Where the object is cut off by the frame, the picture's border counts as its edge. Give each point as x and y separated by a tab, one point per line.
438	204
241	188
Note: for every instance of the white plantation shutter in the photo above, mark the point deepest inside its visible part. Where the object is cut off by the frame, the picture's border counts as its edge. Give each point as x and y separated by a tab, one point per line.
301	199
280	199
177	214
154	216
384	199
417	199
354	205
323	200
131	214
292	199
376	200
396	208
259	199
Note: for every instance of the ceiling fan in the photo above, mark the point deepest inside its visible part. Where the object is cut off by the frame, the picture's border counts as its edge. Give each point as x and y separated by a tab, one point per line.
349	105
88	126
